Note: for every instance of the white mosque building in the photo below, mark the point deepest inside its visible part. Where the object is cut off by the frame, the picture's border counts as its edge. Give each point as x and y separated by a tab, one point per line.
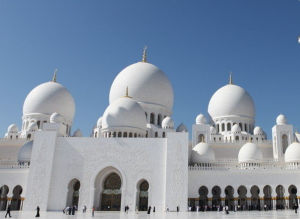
136	157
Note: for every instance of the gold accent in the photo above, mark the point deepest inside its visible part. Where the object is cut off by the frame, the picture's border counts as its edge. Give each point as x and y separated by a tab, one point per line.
230	78
54	75
144	59
126	93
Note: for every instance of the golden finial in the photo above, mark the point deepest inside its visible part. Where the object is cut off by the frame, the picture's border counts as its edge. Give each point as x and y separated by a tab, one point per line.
144	59
54	75
230	78
126	94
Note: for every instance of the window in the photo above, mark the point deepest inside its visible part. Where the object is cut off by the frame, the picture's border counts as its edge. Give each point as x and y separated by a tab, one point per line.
223	127
284	142
228	127
125	135
152	118
246	128
201	138
237	138
241	126
156	134
159	120
130	135
164	134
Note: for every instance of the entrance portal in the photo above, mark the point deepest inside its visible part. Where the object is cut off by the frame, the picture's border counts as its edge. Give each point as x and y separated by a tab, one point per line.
143	196
111	195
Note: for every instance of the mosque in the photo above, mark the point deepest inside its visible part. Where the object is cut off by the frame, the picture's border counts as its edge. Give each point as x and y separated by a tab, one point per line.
136	157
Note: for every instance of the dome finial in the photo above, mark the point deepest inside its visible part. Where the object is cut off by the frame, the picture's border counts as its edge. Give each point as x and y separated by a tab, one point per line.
230	78
54	75
144	59
126	93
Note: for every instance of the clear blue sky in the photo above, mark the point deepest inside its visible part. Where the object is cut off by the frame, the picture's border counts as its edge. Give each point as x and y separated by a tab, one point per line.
196	43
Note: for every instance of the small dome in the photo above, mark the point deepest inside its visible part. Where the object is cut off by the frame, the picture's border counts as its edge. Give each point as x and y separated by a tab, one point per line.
167	123
200	119
124	113
147	84
202	153
213	130
32	127
231	100
292	153
13	128
99	122
77	133
236	129
181	128
48	98
24	154
250	152
56	118
258	131
281	120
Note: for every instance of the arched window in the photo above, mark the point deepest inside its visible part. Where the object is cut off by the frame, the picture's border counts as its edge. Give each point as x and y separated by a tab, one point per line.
246	128
152	118
135	135
159	120
156	134
228	126
164	135
201	138
218	128
38	124
28	136
114	134
241	126
125	134
223	127
284	142
119	134
237	138
130	135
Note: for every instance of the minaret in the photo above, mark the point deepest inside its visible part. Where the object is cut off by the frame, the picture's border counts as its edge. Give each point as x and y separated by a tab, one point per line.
144	59
54	75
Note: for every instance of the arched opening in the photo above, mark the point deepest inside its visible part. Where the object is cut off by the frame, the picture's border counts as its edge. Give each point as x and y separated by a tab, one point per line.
156	135
135	135
130	135
28	136
111	194
268	197
237	138
241	126
119	134
142	195
125	134
203	200
280	202
73	193
216	198
229	199
218	128
228	126
3	197
293	200
242	198
16	198
245	127
201	138
159	120
284	141
152	118
223	127
164	135
255	202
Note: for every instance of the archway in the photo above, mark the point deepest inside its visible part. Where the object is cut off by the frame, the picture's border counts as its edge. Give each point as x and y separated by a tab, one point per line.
111	194
216	198
3	197
73	193
142	193
203	200
16	199
229	199
280	202
293	200
255	202
242	199
268	197
201	138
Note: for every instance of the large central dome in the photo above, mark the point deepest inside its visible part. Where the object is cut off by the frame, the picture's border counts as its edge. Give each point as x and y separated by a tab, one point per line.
146	83
231	100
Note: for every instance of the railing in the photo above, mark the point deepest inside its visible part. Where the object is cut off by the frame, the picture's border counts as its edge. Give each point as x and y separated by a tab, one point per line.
235	165
8	164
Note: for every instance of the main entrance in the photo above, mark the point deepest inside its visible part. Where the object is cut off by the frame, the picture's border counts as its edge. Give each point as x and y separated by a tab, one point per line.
111	195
